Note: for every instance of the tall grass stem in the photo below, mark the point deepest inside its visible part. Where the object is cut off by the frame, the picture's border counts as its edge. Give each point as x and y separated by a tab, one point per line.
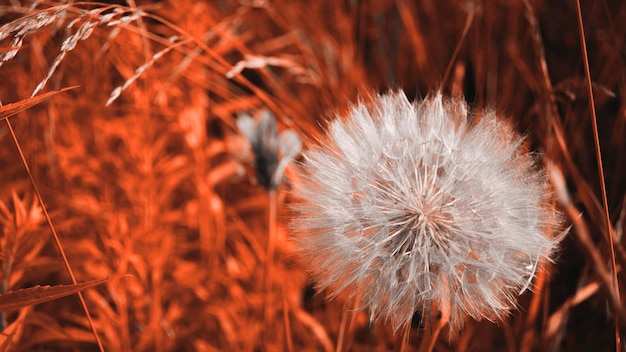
605	204
54	234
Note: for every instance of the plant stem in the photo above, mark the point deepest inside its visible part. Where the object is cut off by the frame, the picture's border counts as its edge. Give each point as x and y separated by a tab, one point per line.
5	287
269	263
346	325
403	338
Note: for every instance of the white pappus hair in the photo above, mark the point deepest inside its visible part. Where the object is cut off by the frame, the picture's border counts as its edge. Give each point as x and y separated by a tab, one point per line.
411	207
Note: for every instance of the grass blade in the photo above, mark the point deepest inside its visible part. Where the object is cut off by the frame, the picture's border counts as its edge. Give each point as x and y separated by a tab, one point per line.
40	294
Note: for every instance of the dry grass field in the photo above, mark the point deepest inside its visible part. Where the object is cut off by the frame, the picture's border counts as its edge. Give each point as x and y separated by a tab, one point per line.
149	185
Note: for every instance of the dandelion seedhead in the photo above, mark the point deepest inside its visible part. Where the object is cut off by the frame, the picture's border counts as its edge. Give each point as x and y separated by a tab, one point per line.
413	207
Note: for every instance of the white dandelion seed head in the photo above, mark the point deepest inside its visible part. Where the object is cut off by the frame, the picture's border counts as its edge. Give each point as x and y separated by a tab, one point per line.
409	207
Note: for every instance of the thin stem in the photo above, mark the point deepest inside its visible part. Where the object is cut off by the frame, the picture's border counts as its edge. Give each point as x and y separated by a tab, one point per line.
599	265
54	234
5	287
403	338
605	203
269	262
271	249
286	319
468	23
533	311
345	327
443	311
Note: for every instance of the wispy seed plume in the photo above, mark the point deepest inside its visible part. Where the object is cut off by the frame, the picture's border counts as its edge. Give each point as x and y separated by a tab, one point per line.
420	207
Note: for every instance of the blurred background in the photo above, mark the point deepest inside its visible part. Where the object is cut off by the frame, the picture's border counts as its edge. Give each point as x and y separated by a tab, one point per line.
144	171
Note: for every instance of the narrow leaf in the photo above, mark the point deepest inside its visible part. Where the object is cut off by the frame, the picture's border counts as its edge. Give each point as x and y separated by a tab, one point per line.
14	108
41	294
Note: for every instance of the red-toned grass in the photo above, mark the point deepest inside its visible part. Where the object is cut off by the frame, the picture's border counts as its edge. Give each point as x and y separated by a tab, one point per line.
158	184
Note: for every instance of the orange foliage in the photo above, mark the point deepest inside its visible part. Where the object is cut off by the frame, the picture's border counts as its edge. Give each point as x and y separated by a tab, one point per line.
144	172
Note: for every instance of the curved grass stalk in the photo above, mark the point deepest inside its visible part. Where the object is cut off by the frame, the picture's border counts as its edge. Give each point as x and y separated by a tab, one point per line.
605	205
54	234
